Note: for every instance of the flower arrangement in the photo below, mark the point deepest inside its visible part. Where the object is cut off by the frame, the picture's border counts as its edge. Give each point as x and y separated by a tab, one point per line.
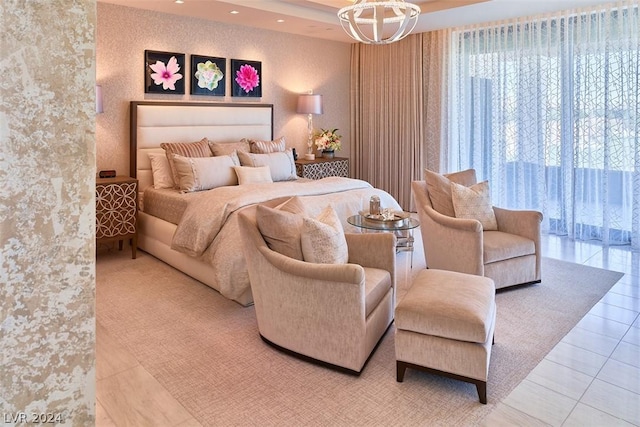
327	140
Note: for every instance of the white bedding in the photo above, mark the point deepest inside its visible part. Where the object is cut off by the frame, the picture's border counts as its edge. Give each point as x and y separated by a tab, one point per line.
208	230
204	217
215	255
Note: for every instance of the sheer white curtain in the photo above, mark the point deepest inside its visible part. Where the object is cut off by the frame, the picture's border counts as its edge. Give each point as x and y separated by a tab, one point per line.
548	109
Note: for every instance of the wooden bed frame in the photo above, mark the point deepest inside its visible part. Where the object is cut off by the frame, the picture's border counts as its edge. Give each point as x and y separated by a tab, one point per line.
153	123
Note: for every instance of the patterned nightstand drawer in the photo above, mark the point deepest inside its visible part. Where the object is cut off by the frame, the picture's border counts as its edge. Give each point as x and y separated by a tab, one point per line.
117	210
322	168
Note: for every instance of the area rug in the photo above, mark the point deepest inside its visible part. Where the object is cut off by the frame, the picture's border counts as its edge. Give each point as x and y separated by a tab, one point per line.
206	351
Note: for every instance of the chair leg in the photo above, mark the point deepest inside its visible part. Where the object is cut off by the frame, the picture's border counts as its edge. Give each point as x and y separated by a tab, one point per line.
400	369
481	386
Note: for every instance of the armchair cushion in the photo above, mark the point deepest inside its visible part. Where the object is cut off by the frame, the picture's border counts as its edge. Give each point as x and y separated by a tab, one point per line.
474	203
439	187
499	246
323	239
376	285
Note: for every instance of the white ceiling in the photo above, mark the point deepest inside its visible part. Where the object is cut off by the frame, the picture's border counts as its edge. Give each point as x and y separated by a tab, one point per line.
318	18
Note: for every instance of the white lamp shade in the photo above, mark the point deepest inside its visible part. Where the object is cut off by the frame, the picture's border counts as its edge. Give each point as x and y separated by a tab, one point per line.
309	104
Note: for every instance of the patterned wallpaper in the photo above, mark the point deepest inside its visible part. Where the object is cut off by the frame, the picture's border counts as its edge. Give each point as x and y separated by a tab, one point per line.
290	65
47	249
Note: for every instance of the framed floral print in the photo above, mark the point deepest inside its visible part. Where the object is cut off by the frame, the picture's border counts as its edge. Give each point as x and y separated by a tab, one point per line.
163	72
247	78
208	75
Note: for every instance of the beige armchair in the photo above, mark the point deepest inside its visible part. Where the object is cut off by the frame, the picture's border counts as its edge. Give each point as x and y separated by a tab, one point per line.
334	314
510	256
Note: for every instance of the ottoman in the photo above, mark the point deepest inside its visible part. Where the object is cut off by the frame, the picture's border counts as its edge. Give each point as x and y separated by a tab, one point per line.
445	325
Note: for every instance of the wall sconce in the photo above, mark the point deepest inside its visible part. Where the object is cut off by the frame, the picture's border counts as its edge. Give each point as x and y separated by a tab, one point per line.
99	108
309	104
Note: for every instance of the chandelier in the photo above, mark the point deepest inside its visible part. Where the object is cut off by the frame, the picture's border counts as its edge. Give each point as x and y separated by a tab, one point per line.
379	22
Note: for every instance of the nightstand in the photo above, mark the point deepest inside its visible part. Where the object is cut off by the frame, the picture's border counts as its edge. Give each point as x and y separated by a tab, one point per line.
117	211
322	168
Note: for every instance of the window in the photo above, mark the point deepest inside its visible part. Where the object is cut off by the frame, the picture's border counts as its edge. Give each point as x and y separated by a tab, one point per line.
548	109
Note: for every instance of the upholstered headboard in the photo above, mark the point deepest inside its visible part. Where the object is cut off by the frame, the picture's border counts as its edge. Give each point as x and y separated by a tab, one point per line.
153	123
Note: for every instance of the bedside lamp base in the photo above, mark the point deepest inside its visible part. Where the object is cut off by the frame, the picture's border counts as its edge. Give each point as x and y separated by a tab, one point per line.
310	156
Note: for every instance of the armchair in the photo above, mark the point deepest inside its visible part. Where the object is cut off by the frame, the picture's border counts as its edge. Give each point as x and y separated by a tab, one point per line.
510	255
334	314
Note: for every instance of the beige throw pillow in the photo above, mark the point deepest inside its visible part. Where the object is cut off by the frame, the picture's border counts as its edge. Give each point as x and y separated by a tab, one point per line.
293	205
251	175
439	187
226	148
162	176
186	149
323	239
205	173
474	203
265	147
281	230
281	164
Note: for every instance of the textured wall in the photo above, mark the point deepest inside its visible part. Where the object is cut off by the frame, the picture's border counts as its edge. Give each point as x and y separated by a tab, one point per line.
290	65
47	249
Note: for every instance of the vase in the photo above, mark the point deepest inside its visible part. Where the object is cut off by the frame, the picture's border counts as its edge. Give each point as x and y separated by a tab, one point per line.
328	154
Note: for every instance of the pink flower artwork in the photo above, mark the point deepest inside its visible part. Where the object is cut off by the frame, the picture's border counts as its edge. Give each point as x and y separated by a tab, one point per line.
168	75
247	77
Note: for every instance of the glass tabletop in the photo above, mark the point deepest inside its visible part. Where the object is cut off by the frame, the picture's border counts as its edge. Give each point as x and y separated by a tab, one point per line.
373	224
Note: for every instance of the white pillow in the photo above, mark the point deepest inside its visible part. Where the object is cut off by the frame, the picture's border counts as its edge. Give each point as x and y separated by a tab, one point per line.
251	175
474	203
323	240
281	164
162	176
205	173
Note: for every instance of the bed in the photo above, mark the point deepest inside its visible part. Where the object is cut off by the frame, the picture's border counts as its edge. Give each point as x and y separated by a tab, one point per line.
197	232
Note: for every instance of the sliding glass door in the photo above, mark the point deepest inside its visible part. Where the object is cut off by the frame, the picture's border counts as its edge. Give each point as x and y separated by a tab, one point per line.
548	109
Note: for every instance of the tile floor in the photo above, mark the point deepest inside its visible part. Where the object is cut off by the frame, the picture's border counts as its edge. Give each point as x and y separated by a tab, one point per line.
592	377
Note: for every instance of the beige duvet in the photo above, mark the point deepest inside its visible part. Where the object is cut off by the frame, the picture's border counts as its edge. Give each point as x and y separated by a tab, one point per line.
208	229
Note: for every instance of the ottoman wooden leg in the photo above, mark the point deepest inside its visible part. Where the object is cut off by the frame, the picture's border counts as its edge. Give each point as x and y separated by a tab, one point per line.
401	367
481	386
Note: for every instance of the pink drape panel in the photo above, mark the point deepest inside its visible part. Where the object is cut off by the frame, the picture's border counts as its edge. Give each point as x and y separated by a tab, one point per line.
387	115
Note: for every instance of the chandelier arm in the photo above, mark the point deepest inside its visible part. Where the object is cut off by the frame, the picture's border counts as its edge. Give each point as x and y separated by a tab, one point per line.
378	27
355	31
400	33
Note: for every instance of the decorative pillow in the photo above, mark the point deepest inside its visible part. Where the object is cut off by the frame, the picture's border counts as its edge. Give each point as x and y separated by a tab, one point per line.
186	149
281	165
323	240
205	173
440	188
281	230
162	177
251	175
293	205
226	148
474	203
265	147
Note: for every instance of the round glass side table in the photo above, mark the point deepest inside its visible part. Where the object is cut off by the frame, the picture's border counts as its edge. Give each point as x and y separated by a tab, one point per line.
403	228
